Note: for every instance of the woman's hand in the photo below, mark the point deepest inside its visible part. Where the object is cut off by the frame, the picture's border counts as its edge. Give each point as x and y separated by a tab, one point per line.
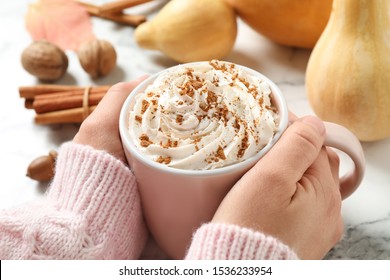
101	129
292	193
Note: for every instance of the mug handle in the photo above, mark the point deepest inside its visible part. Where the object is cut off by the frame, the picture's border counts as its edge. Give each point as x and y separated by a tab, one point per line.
344	140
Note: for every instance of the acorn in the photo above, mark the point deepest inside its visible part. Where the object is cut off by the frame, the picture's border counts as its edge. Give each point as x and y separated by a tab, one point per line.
42	168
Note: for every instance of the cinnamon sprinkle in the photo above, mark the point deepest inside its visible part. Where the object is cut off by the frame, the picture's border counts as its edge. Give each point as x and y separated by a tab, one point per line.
204	107
215	82
197	84
189	72
144	107
179	119
242	80
165	160
261	101
138	118
145	142
186	89
211	97
244	146
221	153
236	125
169	144
216	66
225	113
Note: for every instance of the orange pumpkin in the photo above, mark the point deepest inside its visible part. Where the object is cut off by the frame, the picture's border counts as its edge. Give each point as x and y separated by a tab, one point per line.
297	23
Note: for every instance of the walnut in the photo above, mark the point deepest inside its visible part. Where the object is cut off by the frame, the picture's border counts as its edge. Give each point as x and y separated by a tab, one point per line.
44	60
97	57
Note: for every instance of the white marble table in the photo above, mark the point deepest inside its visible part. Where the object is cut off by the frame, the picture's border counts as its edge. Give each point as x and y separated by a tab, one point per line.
366	213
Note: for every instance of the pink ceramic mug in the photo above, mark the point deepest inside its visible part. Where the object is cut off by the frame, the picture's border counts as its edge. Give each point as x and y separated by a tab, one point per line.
176	201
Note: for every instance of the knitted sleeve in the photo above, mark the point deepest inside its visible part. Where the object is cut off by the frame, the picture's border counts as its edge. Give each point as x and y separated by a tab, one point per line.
230	242
91	211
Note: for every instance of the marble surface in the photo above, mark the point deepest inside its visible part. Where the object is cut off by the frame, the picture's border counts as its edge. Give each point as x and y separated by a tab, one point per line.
366	213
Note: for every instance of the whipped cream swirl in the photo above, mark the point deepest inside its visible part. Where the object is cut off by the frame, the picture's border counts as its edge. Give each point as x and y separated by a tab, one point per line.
204	116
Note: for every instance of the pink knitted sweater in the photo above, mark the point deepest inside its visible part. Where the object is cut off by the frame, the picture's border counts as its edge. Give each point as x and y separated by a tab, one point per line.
93	211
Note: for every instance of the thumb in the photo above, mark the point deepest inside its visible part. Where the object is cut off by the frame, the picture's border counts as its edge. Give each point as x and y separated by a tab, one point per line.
297	149
109	107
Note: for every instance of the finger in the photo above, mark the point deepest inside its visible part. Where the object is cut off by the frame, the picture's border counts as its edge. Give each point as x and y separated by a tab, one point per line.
334	162
109	107
321	166
296	150
292	117
321	171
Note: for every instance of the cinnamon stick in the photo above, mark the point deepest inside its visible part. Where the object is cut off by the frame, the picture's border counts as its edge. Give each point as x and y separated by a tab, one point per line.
75	92
118	6
31	92
28	103
44	105
75	115
132	20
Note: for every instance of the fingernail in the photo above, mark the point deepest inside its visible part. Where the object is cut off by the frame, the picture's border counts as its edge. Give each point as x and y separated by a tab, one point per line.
316	123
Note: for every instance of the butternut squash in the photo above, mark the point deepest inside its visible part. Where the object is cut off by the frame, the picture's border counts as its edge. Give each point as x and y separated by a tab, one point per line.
190	30
348	73
297	23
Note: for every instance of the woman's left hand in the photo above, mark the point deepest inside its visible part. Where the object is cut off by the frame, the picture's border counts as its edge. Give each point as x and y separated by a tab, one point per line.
101	129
